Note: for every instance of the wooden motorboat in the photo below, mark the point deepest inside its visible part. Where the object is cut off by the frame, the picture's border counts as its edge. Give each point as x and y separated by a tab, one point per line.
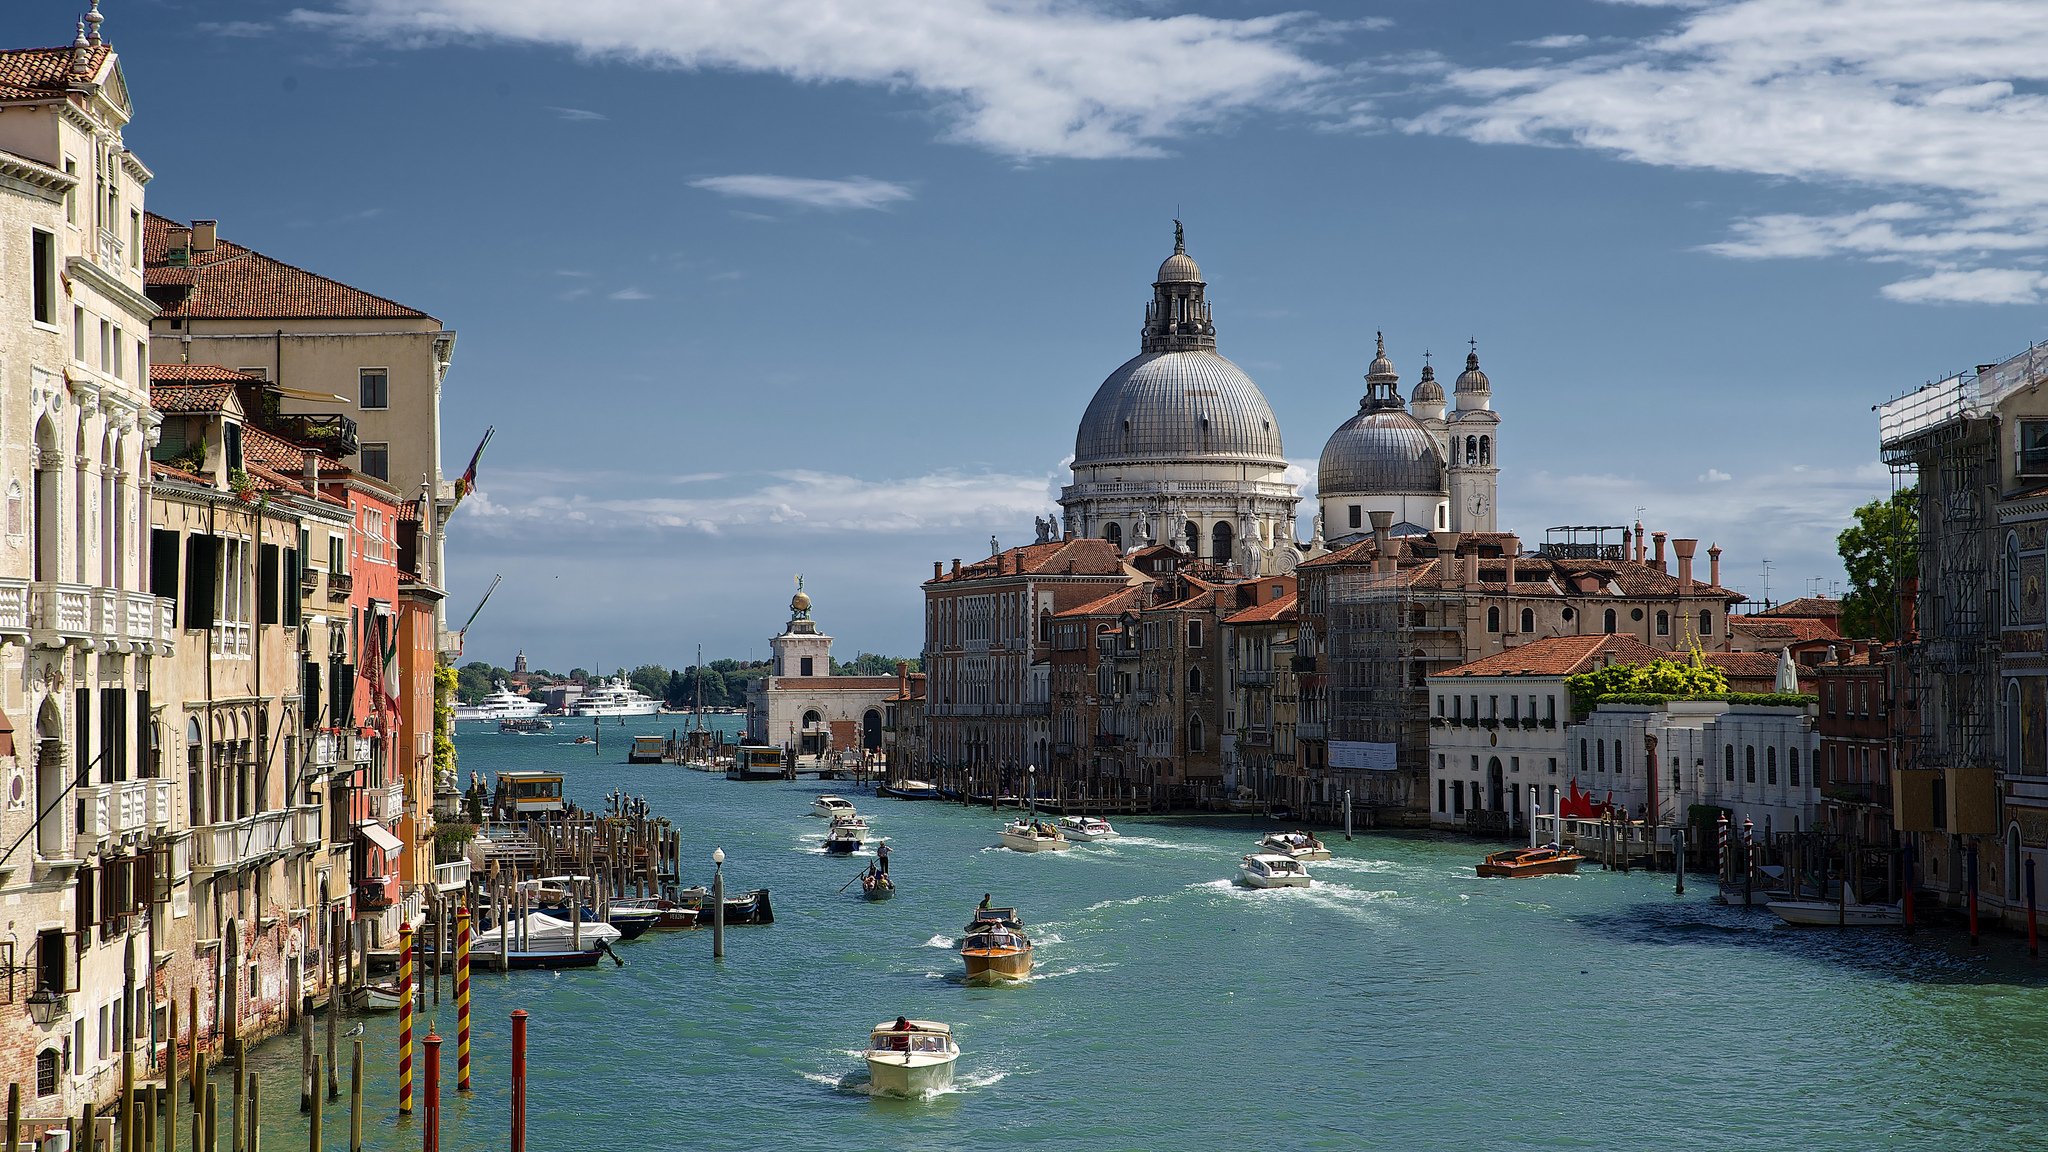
876	885
911	1058
669	914
832	807
1272	870
382	997
909	790
1531	862
632	923
745	908
1845	912
1034	836
1300	845
1085	829
995	946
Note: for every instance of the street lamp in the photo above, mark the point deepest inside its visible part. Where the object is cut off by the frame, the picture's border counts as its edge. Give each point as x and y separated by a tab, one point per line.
718	903
45	1005
1031	789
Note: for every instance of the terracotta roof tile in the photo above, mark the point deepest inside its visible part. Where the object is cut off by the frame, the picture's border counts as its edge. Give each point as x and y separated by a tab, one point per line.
190	397
1271	611
1784	629
175	373
1109	605
240	283
1812	607
43	73
1081	556
1560	656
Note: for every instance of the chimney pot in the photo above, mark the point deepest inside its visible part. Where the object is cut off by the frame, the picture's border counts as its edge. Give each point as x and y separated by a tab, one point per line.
205	234
1685	548
938	569
956	565
1714	566
1658	559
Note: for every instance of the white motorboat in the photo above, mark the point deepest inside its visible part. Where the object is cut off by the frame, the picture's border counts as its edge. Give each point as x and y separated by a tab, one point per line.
1272	870
1839	913
1085	829
1299	845
848	834
615	697
911	1058
540	932
502	704
1034	836
832	807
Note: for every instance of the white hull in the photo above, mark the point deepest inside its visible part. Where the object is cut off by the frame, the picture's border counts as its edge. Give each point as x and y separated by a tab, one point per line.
650	708
820	808
1272	870
544	933
910	1075
1828	914
1253	879
1029	842
1280	846
1087	832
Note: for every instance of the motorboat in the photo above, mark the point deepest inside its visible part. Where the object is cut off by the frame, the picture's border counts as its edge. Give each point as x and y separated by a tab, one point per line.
1546	861
632	923
525	725
1846	912
381	997
911	1058
501	704
1085	829
1034	836
995	946
614	697
1273	870
743	908
848	834
832	807
669	914
542	941
876	885
909	790
1768	883
1300	845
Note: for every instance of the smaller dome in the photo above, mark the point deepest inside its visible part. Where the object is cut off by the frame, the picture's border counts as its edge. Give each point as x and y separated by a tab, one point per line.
1427	390
1380	366
1180	268
1472	380
1382	451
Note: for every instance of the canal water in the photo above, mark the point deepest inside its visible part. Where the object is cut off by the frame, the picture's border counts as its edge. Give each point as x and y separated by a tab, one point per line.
1401	1003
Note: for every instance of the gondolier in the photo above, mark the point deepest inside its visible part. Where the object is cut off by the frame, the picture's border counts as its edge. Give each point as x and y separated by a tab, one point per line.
882	858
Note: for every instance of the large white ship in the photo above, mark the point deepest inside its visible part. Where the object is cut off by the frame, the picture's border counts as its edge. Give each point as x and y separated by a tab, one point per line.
614	697
503	704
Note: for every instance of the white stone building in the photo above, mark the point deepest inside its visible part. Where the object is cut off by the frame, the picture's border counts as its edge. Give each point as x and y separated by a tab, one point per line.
801	705
1753	761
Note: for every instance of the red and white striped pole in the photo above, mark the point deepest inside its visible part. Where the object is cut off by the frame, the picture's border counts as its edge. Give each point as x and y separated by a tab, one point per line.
1721	847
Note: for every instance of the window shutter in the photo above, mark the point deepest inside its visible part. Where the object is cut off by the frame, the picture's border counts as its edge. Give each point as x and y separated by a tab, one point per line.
345	696
202	573
309	695
163	563
293	600
267	605
82	913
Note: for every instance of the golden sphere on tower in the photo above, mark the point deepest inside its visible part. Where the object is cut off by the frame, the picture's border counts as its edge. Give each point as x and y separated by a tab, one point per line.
801	602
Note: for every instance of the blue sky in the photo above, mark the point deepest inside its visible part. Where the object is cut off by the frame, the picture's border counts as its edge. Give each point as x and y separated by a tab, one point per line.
758	287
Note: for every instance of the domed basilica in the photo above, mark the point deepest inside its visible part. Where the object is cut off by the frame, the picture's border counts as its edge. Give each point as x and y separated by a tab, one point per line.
1179	447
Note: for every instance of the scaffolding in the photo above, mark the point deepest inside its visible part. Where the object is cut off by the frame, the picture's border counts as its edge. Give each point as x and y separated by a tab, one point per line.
1376	689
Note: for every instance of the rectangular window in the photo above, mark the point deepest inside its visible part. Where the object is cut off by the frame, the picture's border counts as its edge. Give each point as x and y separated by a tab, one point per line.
337	556
106	344
1440	791
43	266
163	563
2033	454
1553	768
231	444
806	666
71	193
259	373
77	334
374	384
120	353
1357	517
375	460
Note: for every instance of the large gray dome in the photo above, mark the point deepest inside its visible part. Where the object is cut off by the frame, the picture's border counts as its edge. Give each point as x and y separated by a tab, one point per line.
1380	451
1164	406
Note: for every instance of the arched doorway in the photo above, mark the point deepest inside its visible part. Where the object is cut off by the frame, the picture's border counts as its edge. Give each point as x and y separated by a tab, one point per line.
871	730
1223	543
1496	785
1193	536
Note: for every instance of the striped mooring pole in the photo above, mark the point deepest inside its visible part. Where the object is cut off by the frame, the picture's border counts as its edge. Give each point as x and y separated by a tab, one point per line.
405	1019
462	999
1721	847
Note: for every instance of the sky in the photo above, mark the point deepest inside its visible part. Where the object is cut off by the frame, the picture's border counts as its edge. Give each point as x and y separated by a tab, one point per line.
758	288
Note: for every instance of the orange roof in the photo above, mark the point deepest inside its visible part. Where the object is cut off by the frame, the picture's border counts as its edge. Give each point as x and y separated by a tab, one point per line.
189	397
1271	610
1826	607
1785	629
1745	665
1109	605
233	282
188	373
1561	656
1082	556
43	73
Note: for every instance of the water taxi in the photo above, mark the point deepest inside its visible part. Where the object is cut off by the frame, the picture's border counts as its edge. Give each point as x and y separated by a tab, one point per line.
647	750
1034	836
1531	862
756	762
1844	912
911	1058
1085	829
832	806
848	834
909	790
995	947
528	793
1272	870
1300	845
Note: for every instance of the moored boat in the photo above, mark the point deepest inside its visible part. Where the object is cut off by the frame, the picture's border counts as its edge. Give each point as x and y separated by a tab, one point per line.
669	914
1531	862
381	997
1033	836
744	908
1272	870
995	946
911	1058
1299	845
1085	829
832	807
908	790
1846	912
632	923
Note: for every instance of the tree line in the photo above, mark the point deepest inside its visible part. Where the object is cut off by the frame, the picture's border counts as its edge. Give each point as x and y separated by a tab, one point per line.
726	682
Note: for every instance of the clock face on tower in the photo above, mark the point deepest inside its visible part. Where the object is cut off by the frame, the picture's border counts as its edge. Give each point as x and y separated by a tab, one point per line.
1478	503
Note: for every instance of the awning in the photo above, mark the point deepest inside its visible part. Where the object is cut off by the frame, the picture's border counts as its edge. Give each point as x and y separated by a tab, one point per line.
384	840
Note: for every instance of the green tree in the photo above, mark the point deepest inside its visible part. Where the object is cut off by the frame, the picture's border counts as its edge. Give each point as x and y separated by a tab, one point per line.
870	664
651	679
1661	677
1879	550
581	676
472	682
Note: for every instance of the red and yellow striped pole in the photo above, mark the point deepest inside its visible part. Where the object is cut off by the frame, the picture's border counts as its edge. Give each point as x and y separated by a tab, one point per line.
405	1019
462	999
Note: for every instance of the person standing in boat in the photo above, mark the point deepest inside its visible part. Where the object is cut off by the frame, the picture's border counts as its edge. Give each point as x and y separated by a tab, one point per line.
882	858
983	906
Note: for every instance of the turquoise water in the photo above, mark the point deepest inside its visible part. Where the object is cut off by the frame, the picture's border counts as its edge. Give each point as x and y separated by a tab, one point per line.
1401	1003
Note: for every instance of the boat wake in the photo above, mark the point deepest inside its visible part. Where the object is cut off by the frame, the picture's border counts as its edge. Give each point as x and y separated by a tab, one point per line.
1110	846
939	941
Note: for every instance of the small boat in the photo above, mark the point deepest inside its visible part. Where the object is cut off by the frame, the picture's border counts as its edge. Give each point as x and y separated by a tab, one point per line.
876	885
995	946
1085	829
632	923
745	908
1766	885
1034	836
848	834
1844	913
909	790
543	941
911	1058
1300	845
832	807
669	914
1531	862
583	740
1272	870
374	998
525	726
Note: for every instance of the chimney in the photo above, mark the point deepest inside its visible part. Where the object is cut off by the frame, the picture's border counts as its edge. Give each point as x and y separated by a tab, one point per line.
1512	549
1642	548
956	567
938	569
1471	576
1658	559
1628	546
205	233
181	241
903	678
1382	543
1713	565
1685	549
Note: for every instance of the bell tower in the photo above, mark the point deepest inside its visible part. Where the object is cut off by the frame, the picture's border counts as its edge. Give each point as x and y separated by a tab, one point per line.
801	650
1472	436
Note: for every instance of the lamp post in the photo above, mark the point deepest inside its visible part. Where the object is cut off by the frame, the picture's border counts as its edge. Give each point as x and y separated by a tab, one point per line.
1031	790
718	903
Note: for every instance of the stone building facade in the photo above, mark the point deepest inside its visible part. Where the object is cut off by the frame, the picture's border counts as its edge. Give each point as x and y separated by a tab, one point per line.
801	705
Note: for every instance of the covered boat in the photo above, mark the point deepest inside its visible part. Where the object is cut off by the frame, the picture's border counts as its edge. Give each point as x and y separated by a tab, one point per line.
1033	836
911	1058
1844	912
543	941
669	913
995	946
909	790
744	908
1085	829
1272	870
1298	844
832	807
1546	861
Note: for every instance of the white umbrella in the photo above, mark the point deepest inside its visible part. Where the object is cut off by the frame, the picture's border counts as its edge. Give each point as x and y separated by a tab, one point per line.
1788	673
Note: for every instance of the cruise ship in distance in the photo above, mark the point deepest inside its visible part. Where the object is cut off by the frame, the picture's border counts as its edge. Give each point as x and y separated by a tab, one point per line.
503	704
614	697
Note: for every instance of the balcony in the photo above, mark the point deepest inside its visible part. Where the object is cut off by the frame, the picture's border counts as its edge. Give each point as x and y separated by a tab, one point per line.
128	807
308	831
238	843
359	749
309	581
1255	677
14	603
334	434
394	801
59	614
325	750
339	585
1258	738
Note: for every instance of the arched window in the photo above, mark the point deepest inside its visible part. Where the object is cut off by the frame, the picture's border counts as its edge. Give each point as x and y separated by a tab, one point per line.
1610	620
1485	450
1493	619
2013	747
1770	765
1195	735
1706	623
1583	765
1193	536
1114	533
812	719
1471	449
1528	620
1749	764
1600	752
2012	578
1663	623
1792	767
1728	764
1223	543
1194	681
46	1072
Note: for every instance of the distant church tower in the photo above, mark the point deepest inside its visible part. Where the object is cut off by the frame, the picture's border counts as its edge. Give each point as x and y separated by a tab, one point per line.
1472	437
801	650
519	663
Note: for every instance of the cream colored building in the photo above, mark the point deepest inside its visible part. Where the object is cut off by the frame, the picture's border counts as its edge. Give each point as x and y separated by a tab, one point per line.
800	704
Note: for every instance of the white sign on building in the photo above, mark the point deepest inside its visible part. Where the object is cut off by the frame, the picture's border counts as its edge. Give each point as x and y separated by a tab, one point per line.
1361	754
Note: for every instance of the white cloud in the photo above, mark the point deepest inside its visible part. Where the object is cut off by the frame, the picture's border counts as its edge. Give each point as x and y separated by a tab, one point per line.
1972	286
238	29
1026	78
1715	476
576	114
628	294
1938	108
852	192
1563	40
